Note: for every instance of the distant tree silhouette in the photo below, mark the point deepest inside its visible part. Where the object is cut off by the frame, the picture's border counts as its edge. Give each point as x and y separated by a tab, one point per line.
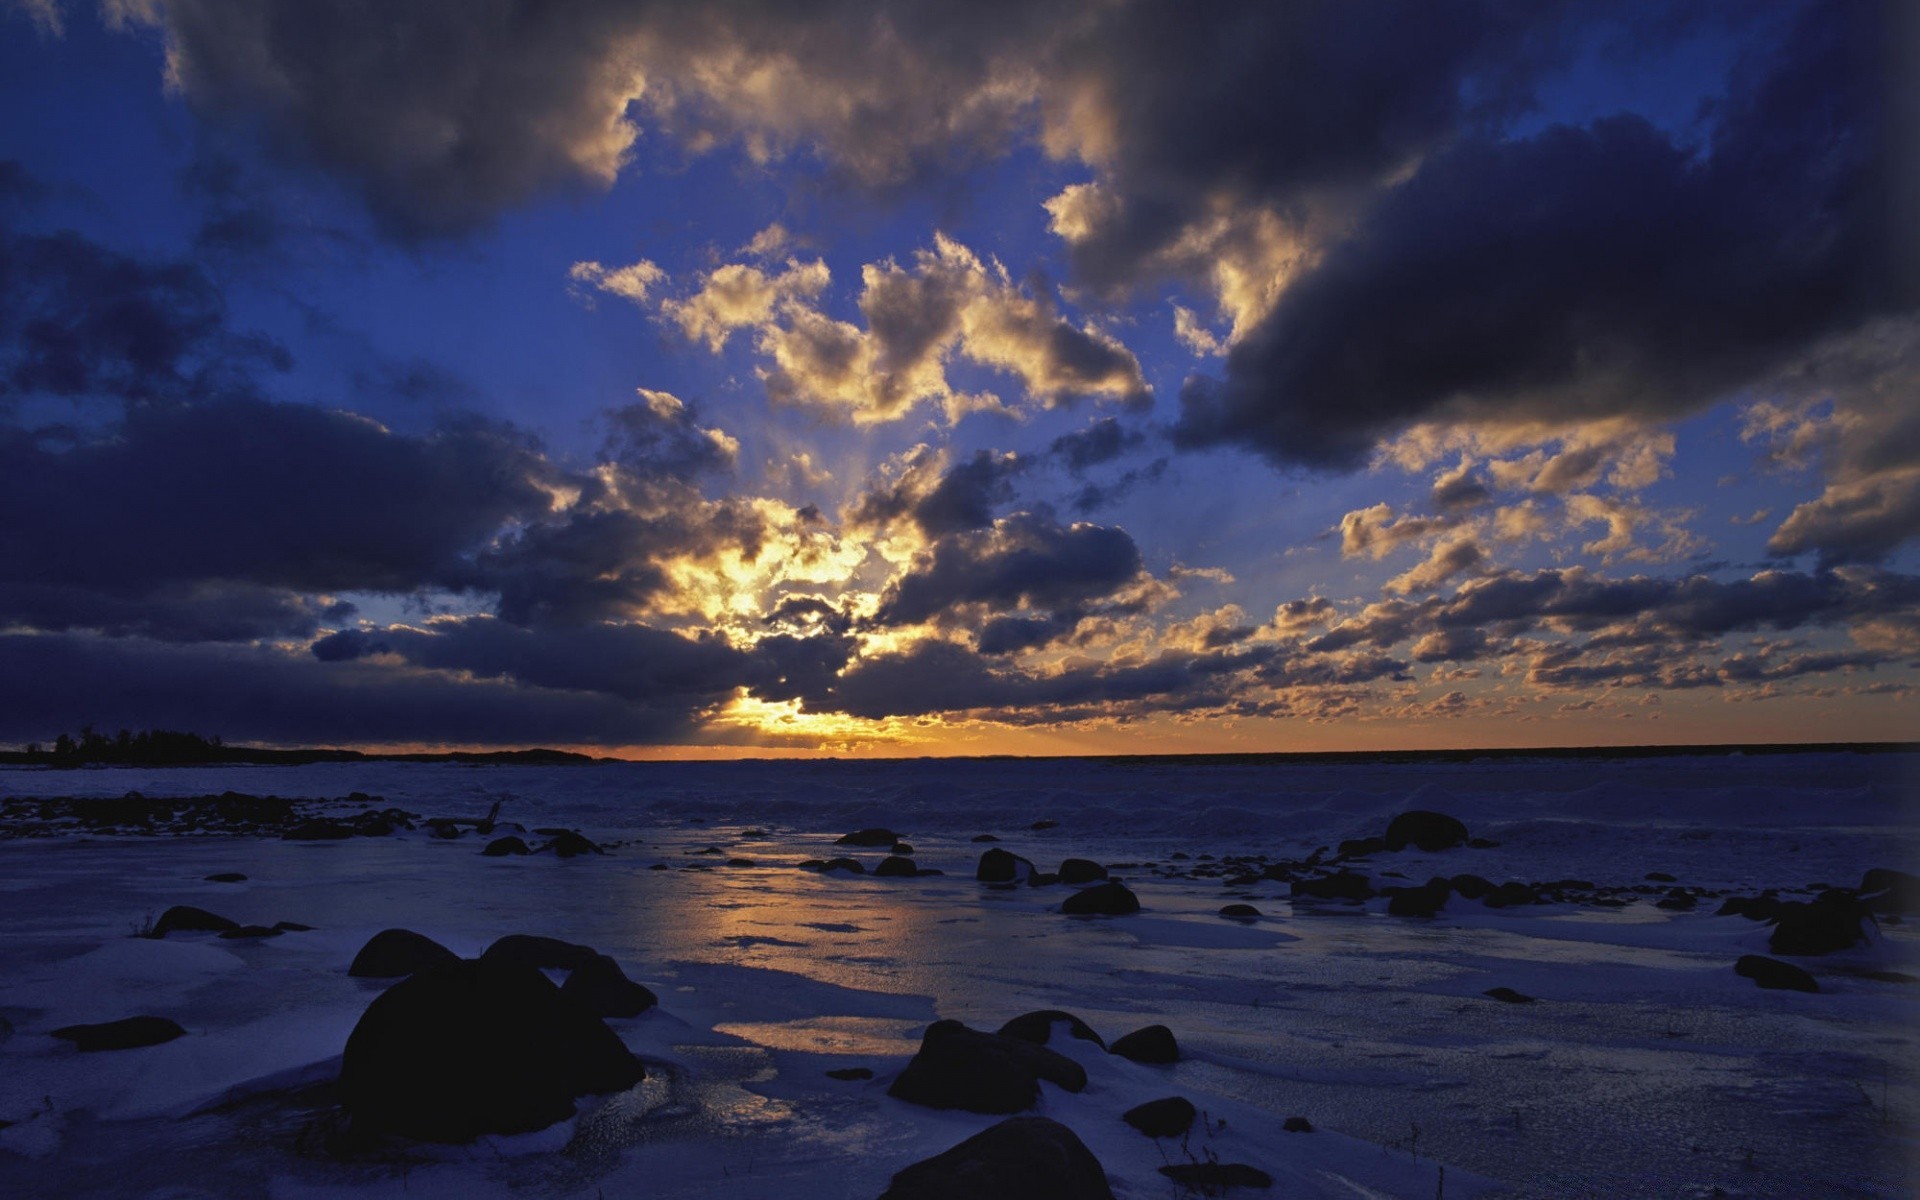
151	747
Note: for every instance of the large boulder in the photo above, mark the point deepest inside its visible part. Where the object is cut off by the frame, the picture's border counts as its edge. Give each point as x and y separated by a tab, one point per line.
1430	831
1772	973
185	918
1021	1158
1888	891
1169	1117
528	950
128	1033
395	952
1152	1044
604	990
1037	1027
502	847
472	1047
1833	921
1001	866
1108	899
1424	901
1077	871
566	843
893	866
958	1067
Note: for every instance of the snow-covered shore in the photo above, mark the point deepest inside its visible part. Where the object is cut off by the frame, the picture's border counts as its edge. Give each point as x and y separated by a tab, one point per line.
1646	1066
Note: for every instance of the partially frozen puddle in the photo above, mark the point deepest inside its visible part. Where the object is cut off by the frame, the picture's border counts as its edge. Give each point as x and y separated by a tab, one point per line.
831	1035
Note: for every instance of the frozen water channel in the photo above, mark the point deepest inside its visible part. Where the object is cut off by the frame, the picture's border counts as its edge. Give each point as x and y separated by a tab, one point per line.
1645	1068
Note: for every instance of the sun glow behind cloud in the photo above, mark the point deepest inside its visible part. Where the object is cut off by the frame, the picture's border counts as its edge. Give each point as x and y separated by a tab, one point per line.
1093	378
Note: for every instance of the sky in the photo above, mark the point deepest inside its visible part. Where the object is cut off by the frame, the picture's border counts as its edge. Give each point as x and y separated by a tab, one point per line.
674	380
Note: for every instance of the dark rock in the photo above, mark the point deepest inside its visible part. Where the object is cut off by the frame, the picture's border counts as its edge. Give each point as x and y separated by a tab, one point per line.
318	829
292	927
128	1033
469	1048
227	877
893	866
1659	877
1507	995
568	844
1772	973
1361	847
1077	871
1044	823
1678	900
850	1073
1042	879
1109	899
1481	843
1298	1125
1037	1027
1471	887
740	862
1207	1176
1430	831
1000	866
985	837
252	931
901	848
1423	901
844	864
1153	1044
1022	1158
394	952
1753	908
867	837
1886	890
604	990
545	953
1831	922
1244	912
1510	894
501	847
1170	1117
1342	885
958	1067
444	827
185	918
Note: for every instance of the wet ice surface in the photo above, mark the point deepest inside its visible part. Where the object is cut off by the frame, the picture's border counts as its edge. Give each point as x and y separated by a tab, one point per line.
1647	1068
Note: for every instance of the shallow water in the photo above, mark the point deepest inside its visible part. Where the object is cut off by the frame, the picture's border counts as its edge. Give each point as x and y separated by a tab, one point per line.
1646	1067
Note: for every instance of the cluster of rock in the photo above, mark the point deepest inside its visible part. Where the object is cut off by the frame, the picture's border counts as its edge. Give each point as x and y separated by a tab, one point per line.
1025	1156
464	1047
232	813
1098	895
186	918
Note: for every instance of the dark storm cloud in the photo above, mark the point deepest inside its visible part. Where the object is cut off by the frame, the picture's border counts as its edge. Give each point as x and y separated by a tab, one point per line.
254	492
1268	103
941	677
634	663
602	562
254	693
967	494
1642	609
80	320
1102	441
1024	559
960	498
1583	272
171	612
445	112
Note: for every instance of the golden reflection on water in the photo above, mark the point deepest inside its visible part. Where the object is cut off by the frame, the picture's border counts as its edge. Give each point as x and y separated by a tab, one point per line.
832	1035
